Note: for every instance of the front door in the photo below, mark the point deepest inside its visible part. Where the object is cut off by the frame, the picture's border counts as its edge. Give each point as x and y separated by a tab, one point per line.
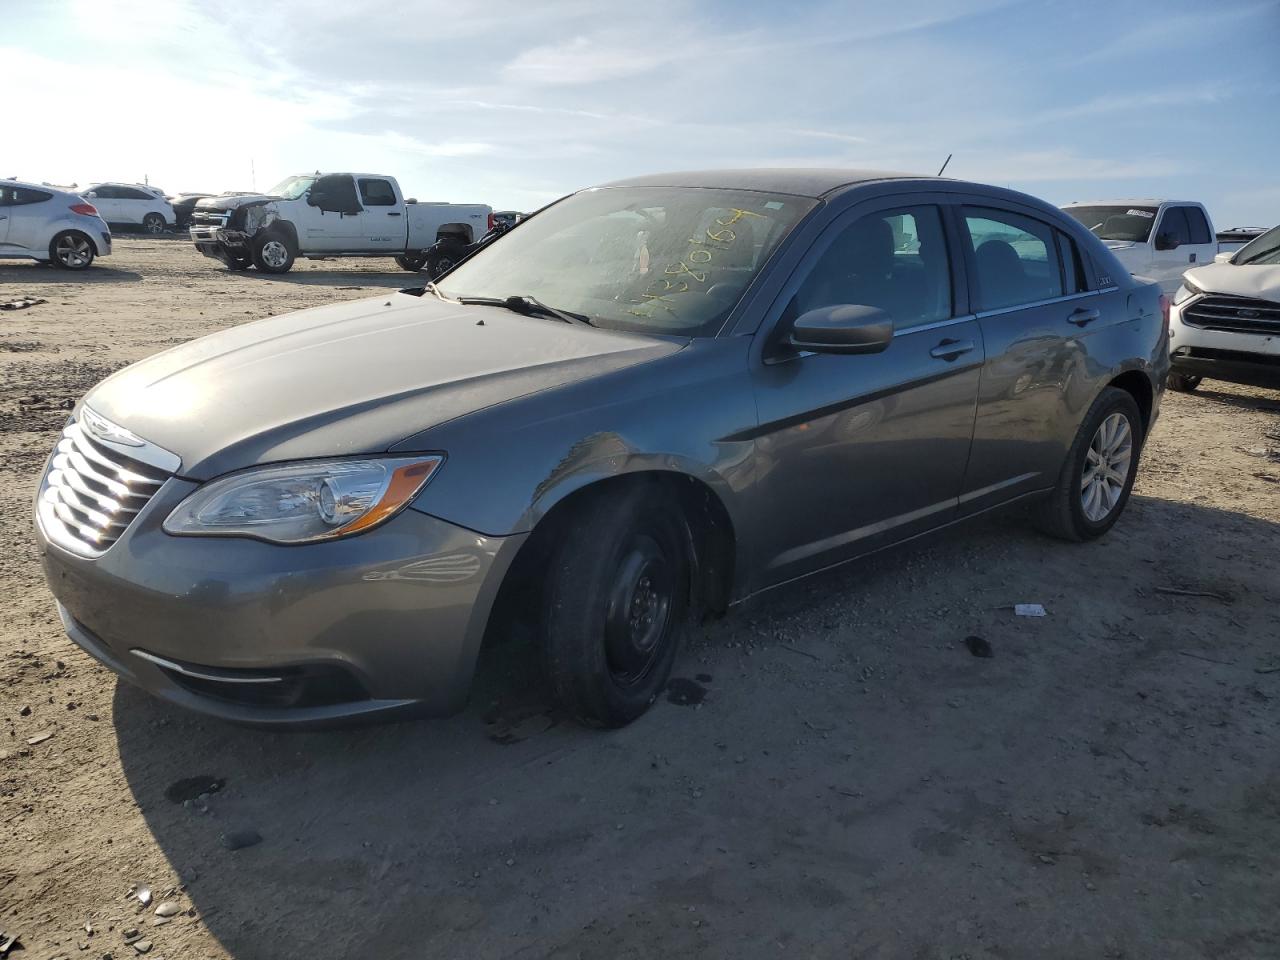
106	202
1194	245
330	218
857	451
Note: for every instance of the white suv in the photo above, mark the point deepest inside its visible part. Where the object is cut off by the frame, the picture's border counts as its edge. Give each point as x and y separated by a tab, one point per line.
132	205
1225	320
38	222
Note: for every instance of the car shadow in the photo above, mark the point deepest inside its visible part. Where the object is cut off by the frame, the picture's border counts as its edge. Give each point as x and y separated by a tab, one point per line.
32	271
1243	401
339	279
507	830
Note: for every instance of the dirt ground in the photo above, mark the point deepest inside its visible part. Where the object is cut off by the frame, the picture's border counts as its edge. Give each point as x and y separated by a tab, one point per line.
833	775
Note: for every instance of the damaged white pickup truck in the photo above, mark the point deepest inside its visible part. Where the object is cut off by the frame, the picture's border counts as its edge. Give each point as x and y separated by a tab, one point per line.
329	215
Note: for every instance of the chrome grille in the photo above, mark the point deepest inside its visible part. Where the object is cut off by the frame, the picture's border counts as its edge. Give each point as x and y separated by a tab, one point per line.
1234	314
91	492
210	218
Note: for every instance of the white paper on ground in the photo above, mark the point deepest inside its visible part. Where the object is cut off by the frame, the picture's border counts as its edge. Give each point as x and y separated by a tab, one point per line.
1029	610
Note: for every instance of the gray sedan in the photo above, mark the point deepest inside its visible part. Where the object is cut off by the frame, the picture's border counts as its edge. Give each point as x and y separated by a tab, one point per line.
644	404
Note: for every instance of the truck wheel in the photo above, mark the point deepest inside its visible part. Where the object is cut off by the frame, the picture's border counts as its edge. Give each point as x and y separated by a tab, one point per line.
273	254
1095	481
617	602
413	262
153	223
439	264
1182	382
239	263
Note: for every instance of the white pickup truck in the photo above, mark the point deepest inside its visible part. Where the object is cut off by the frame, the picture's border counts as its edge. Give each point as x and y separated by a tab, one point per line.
1159	239
329	215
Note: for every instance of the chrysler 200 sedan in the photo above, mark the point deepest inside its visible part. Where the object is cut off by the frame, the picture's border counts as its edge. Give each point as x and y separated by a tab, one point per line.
642	405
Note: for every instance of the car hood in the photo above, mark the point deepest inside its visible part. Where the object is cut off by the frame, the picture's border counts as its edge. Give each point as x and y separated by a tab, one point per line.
232	203
351	378
1260	280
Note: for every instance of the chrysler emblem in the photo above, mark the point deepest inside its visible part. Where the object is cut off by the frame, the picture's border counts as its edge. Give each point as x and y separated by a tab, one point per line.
103	429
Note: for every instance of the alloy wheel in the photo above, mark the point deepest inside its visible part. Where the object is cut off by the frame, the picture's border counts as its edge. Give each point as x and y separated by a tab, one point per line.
73	251
275	253
1106	467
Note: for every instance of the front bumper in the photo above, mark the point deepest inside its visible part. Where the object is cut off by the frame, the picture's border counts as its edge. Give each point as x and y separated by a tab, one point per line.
389	621
219	242
1248	358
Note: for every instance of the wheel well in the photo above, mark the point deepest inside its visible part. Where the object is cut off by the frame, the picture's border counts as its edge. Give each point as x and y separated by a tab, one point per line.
711	533
1138	385
460	230
72	231
286	229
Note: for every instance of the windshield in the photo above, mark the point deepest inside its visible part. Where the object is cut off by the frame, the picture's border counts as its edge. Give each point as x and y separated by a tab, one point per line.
1260	250
291	188
1117	222
652	259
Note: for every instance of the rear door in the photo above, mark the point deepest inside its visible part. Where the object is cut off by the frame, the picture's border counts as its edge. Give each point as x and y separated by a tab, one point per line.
383	226
857	451
1034	303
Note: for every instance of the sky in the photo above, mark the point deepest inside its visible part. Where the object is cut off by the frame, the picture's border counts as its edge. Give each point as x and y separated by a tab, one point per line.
517	102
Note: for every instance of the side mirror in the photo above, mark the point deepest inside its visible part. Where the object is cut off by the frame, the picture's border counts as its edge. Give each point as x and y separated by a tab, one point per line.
1167	241
843	328
91	194
315	198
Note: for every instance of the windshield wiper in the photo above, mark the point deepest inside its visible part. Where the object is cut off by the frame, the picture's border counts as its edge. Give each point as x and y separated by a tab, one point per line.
528	306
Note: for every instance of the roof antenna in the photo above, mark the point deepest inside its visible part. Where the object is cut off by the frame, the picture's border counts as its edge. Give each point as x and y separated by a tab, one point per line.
944	164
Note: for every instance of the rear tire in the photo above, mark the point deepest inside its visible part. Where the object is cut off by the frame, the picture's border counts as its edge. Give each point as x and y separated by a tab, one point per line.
616	605
153	223
1183	383
412	262
273	254
1097	477
71	250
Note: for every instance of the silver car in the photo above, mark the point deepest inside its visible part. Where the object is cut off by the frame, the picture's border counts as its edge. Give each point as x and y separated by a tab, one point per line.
39	222
645	403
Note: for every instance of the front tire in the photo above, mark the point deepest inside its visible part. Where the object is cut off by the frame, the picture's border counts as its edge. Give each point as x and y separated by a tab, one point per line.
273	254
71	250
153	223
1098	475
1183	383
617	602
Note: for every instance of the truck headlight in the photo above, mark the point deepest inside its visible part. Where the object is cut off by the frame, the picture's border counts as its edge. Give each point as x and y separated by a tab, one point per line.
303	502
1186	292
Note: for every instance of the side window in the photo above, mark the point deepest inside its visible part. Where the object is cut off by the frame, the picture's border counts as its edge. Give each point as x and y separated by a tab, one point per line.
128	193
1173	225
336	194
6	196
895	260
1073	275
23	195
1199	226
377	193
1015	258
106	193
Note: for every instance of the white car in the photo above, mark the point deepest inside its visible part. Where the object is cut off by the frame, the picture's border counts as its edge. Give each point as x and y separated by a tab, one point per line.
1159	239
132	205
1225	319
38	222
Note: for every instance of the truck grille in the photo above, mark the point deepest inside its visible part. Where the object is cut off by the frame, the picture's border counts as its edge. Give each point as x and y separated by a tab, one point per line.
1233	314
91	493
210	218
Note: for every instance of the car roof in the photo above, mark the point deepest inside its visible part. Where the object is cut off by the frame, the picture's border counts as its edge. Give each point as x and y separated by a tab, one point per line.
798	181
39	186
1143	202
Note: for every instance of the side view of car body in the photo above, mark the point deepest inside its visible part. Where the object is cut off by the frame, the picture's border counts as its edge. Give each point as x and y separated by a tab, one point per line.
651	400
1226	319
132	205
42	223
183	205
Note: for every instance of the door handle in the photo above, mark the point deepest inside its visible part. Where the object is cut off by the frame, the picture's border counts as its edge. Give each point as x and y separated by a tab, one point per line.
1082	316
393	214
1191	259
950	349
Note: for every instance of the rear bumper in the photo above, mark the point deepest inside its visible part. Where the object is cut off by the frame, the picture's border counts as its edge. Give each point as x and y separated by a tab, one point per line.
388	622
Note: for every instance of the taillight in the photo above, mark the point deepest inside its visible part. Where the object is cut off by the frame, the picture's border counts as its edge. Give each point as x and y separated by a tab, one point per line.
492	221
1165	304
88	209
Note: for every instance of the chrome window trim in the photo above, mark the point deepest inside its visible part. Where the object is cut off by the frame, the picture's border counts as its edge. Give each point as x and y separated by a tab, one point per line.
982	314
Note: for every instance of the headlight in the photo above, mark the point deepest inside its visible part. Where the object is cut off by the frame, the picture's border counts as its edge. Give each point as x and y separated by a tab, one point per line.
303	502
1186	292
